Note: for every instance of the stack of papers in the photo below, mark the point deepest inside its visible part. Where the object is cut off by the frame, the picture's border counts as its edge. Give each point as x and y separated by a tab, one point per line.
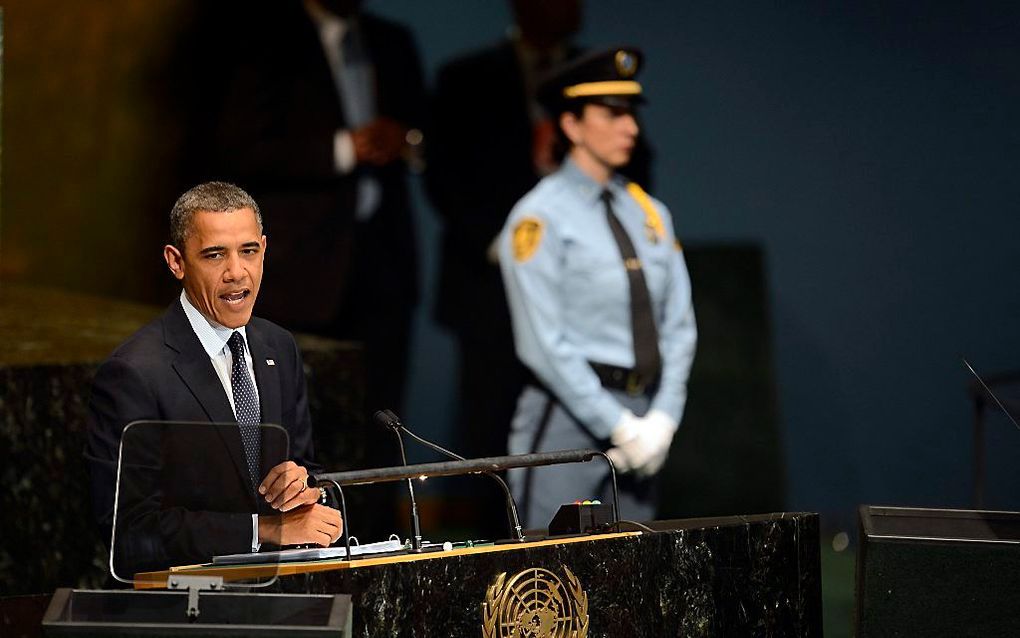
315	553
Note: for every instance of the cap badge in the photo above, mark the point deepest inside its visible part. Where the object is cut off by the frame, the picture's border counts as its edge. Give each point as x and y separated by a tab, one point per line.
626	63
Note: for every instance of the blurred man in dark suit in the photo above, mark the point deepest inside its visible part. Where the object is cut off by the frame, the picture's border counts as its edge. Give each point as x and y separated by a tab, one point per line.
320	105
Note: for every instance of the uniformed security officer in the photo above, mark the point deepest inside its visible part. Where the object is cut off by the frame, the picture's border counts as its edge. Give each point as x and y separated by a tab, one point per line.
600	301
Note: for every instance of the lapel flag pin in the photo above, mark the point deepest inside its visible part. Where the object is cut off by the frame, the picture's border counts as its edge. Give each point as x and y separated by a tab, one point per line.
270	362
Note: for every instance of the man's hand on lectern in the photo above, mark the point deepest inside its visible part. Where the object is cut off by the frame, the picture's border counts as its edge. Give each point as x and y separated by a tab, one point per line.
286	487
308	524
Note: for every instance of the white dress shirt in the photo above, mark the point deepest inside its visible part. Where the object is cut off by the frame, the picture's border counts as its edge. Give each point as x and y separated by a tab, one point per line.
355	83
213	338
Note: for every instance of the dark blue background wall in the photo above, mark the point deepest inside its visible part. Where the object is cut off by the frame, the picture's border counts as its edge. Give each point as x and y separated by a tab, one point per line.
872	149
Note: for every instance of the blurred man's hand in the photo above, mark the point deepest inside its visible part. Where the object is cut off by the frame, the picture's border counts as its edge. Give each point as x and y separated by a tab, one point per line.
379	142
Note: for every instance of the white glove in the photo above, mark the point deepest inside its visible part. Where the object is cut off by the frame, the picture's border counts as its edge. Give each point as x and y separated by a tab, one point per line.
625	432
657	436
641	444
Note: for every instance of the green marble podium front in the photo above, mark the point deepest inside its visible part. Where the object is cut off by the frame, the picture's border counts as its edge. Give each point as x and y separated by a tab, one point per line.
731	576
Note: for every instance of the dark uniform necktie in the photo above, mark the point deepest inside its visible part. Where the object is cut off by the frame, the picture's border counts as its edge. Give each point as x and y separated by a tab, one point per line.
646	337
246	405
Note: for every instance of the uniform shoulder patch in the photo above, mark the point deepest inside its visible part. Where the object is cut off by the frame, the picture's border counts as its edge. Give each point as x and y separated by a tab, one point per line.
653	221
527	238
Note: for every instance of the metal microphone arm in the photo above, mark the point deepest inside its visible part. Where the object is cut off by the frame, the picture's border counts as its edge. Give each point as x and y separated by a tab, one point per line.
453	468
616	492
511	505
989	391
415	522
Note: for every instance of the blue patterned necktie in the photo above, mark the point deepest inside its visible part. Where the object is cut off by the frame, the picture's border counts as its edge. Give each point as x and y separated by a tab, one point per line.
246	405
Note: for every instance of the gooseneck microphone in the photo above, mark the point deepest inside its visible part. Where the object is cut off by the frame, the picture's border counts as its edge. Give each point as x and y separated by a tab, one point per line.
415	522
388	419
989	391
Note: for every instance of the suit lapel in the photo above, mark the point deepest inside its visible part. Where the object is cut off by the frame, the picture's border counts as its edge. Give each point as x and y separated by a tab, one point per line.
196	371
267	376
275	440
303	61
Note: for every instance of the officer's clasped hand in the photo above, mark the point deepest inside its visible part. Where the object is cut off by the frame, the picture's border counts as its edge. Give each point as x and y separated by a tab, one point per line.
641	444
623	434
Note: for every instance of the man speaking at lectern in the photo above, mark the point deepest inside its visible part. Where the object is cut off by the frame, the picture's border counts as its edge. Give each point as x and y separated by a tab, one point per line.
207	359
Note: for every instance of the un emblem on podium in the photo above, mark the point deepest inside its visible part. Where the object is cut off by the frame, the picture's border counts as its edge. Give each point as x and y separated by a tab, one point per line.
535	603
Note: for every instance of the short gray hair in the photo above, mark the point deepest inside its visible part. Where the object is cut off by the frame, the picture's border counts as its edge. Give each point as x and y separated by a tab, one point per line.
213	197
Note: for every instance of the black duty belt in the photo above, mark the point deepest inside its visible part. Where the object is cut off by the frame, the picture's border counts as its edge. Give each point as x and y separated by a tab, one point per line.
627	379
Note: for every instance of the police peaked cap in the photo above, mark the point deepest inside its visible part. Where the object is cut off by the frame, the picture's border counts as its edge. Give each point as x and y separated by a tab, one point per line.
605	77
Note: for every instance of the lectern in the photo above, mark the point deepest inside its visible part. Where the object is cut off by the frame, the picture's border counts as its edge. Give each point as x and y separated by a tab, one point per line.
731	576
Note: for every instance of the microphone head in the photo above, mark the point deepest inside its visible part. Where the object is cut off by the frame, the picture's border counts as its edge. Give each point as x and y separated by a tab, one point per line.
386	419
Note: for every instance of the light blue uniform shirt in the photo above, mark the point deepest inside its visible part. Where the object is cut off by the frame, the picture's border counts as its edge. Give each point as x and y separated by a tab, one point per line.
569	294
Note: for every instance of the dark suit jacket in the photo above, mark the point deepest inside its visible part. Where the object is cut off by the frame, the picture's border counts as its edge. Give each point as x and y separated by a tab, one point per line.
271	129
479	165
201	506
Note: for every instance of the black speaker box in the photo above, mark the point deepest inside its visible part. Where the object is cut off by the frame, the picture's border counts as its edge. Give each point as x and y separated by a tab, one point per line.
934	572
580	518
